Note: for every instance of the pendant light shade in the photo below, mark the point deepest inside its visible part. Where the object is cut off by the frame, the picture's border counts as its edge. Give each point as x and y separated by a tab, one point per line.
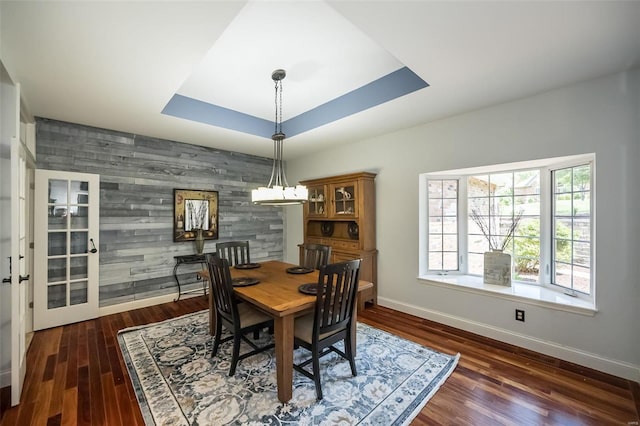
278	192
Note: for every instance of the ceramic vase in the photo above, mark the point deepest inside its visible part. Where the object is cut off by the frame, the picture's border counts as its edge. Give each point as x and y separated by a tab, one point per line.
199	241
497	268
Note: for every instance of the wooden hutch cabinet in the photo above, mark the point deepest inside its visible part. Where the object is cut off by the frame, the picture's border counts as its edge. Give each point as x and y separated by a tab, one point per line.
341	213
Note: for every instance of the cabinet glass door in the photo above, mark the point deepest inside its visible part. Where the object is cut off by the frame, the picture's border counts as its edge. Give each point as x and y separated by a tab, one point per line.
344	200
317	201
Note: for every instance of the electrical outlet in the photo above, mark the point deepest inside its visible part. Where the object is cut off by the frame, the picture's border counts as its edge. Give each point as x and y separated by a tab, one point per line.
520	315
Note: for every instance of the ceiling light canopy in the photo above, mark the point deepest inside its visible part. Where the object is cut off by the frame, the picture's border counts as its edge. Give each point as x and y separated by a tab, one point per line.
278	192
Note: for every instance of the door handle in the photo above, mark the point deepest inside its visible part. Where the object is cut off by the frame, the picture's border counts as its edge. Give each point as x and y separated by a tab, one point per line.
93	246
6	280
23	278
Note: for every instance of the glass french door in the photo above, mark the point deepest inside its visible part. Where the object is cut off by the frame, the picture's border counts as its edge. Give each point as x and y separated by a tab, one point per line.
66	248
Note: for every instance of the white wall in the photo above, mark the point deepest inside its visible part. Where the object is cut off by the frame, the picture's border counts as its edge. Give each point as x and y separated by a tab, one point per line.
600	116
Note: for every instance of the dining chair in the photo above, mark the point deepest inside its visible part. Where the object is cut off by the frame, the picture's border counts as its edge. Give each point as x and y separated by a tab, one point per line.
236	252
238	318
331	321
314	256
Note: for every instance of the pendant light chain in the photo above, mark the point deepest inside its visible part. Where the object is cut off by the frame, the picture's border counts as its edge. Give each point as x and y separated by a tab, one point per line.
278	191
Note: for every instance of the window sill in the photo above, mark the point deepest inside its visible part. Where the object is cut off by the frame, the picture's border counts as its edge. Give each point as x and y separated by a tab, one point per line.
525	293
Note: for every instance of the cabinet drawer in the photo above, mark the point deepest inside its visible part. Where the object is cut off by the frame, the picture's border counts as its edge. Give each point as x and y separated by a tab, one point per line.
345	245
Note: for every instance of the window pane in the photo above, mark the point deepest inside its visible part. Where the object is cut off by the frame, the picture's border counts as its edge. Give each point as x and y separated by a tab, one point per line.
526	182
581	204
562	181
582	178
562	274
501	184
563	250
450	225
450	189
435	242
435	261
435	224
581	279
494	220
450	262
572	228
478	244
435	188
478	186
450	243
443	230
562	205
581	254
501	206
476	263
479	205
582	229
450	207
435	208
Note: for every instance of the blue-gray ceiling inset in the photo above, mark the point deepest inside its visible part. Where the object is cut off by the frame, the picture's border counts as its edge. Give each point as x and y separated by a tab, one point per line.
394	85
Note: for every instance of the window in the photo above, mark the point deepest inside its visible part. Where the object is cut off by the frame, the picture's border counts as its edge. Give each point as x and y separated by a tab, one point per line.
548	203
572	228
443	224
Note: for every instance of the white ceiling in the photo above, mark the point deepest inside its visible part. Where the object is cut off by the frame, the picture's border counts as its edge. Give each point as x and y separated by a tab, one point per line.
117	64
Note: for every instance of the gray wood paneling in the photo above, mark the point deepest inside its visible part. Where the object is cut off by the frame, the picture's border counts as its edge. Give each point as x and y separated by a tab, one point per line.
137	178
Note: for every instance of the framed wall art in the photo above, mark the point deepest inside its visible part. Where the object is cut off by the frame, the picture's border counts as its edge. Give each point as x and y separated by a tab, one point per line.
194	210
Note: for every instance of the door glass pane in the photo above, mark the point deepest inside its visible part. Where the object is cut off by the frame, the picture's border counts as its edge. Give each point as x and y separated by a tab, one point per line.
79	267
79	242
57	243
79	217
58	191
57	221
79	292
79	192
57	270
56	296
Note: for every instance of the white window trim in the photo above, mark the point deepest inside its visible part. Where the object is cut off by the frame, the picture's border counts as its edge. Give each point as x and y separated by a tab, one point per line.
541	294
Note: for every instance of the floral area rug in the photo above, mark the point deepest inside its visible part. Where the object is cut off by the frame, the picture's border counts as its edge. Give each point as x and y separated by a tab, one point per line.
178	383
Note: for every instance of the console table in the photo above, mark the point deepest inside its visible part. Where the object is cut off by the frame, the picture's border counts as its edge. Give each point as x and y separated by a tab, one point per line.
190	259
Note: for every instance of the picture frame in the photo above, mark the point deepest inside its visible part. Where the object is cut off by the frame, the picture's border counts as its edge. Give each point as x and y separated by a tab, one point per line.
194	209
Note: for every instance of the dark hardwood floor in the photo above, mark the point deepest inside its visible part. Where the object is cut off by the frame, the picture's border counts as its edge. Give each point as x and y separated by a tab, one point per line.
76	375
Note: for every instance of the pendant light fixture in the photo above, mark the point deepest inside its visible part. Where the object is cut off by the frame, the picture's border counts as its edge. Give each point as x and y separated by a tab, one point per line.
278	192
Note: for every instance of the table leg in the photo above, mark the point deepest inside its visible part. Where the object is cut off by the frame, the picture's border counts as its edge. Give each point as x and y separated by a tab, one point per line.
175	277
284	356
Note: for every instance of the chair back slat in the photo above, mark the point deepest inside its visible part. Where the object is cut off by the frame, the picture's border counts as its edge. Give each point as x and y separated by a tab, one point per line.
337	292
221	288
235	252
314	255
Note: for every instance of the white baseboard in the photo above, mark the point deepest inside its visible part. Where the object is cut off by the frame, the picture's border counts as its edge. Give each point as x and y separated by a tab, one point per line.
142	303
574	355
5	378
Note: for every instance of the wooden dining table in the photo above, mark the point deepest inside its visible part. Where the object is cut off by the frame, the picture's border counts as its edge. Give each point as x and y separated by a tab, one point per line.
277	295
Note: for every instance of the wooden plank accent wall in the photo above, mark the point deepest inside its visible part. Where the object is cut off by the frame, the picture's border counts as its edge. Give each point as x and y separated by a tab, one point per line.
137	178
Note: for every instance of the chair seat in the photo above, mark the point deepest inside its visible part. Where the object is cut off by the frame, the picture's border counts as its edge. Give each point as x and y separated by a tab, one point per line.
250	316
303	329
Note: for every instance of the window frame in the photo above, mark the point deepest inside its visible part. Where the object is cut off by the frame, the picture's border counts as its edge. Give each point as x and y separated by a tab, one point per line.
546	168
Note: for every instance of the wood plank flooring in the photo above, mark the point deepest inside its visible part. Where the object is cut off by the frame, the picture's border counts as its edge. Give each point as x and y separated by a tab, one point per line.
76	375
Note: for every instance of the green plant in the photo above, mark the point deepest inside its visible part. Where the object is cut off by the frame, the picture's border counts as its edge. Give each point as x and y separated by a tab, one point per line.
528	249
